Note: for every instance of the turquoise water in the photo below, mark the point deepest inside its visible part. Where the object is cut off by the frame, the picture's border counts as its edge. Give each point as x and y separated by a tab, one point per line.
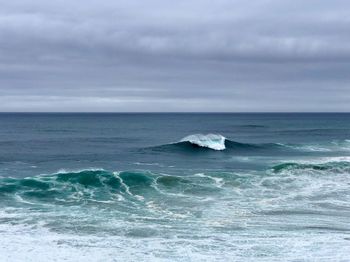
174	187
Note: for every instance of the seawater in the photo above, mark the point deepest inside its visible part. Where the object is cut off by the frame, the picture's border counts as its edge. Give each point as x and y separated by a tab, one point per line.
174	187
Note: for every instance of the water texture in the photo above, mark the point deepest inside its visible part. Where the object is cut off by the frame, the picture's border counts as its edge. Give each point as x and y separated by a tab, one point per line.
174	187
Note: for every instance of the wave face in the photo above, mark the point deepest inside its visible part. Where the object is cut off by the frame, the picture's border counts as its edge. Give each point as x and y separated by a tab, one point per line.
75	187
96	186
212	141
215	142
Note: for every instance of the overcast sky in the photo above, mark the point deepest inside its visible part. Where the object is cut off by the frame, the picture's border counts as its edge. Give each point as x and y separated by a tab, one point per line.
183	55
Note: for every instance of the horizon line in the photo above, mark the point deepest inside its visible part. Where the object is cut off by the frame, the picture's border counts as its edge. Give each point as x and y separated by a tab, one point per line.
177	112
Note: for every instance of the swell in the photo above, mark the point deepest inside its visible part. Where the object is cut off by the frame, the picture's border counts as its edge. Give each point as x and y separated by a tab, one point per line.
215	142
333	166
226	146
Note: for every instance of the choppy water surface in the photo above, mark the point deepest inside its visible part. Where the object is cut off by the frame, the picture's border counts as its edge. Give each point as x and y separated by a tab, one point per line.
174	187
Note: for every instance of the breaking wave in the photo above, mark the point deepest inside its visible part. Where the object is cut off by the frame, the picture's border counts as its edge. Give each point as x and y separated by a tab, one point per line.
101	186
214	142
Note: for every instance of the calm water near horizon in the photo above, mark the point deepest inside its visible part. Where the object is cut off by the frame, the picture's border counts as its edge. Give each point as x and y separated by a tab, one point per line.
175	187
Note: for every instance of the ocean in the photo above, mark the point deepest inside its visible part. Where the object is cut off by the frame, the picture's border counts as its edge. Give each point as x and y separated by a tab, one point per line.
174	187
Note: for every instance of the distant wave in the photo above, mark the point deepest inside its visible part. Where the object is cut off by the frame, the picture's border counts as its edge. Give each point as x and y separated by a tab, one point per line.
216	142
213	142
332	166
331	146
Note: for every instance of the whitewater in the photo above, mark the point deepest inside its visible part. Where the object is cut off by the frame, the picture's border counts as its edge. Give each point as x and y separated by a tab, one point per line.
212	141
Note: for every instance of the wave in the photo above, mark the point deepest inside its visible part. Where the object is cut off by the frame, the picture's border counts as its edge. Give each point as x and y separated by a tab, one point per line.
214	142
100	186
329	146
134	192
74	186
105	186
332	166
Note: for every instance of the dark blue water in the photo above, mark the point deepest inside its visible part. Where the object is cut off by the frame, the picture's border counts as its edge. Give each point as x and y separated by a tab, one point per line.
169	187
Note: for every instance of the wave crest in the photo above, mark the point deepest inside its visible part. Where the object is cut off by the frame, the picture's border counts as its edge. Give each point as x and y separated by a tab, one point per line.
212	141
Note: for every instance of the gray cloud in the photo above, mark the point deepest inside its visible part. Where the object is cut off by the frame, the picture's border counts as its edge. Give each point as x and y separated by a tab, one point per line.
194	55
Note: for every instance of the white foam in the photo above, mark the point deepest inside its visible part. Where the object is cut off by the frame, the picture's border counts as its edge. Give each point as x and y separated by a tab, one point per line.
21	243
126	187
320	160
66	171
219	182
229	228
212	141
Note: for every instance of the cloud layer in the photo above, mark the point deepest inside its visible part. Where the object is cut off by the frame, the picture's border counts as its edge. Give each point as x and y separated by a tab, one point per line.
194	55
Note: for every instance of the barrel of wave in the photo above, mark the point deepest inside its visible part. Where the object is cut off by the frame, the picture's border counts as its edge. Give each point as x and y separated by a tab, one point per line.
212	141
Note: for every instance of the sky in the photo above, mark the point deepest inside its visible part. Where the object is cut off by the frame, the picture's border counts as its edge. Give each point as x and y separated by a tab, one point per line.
174	56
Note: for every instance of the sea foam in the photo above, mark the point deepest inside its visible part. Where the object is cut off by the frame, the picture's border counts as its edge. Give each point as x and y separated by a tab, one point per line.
212	141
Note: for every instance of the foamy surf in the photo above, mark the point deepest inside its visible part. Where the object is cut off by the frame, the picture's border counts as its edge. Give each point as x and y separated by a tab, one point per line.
212	141
118	213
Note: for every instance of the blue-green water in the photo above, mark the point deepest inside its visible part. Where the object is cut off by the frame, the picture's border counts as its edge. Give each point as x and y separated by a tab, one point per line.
174	187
